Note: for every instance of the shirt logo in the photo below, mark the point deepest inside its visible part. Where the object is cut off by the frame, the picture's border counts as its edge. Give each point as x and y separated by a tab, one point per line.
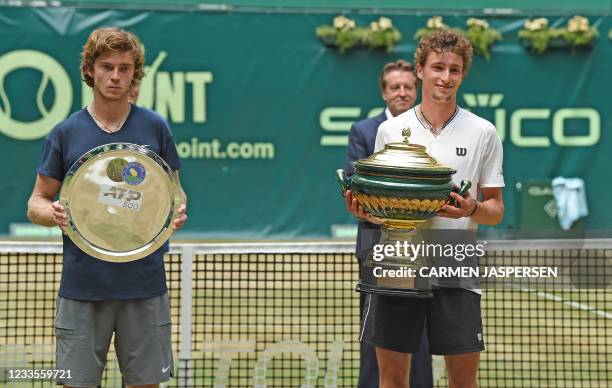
461	151
165	369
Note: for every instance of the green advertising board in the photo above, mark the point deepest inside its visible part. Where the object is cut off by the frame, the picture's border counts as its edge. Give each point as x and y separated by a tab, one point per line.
260	109
397	6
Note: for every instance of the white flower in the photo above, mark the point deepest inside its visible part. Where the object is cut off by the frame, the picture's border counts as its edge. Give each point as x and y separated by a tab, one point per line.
436	23
578	24
343	23
536	24
374	26
527	24
474	22
541	23
385	23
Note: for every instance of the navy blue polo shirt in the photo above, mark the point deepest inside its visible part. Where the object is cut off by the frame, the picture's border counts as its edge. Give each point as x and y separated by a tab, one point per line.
83	276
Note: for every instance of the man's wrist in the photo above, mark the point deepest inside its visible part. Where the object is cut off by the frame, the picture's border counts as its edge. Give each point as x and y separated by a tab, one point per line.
475	208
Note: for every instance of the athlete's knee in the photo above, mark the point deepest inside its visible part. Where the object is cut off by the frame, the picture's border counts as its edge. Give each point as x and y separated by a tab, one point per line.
468	383
462	378
393	382
393	376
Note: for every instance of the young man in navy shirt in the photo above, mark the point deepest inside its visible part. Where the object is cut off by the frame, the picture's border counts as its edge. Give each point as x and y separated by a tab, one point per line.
97	298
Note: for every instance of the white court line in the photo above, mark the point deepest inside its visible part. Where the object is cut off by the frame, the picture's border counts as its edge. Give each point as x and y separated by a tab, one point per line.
571	303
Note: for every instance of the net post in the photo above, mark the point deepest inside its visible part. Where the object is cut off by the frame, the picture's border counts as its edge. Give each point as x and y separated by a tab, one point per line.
185	367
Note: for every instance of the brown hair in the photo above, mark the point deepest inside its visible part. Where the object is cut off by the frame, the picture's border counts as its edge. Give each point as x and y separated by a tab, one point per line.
400	65
111	39
444	41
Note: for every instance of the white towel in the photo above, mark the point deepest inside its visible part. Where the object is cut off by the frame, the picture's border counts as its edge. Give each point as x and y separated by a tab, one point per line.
570	196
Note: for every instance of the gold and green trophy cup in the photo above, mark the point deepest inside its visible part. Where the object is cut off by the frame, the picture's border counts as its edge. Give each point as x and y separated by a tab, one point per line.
404	187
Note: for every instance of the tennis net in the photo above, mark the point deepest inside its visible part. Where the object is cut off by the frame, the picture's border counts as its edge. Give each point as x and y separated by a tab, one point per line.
286	314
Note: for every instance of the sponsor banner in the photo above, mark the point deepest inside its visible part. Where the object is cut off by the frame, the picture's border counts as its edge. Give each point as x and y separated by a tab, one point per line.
261	111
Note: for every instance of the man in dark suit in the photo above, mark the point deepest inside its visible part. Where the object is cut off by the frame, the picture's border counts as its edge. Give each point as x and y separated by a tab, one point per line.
398	87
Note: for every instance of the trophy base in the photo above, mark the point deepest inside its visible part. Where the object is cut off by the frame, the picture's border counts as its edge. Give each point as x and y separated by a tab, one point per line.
394	274
389	291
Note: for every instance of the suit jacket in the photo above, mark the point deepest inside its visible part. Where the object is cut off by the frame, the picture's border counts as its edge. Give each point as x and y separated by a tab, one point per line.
361	145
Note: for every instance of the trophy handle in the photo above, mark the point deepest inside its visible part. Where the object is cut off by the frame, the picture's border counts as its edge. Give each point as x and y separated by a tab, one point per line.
343	181
465	186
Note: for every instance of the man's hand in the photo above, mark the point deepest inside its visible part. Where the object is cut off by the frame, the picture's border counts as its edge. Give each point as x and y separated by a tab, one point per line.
59	216
353	206
180	220
465	206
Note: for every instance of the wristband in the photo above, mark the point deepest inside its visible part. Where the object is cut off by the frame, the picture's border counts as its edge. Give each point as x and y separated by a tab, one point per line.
475	208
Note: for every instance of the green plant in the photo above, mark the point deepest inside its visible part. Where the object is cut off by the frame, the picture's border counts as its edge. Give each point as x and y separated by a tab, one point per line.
479	33
434	23
381	34
343	34
482	36
537	33
579	32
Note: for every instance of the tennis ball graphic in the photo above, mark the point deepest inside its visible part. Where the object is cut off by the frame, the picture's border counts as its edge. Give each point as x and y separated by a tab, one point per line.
115	168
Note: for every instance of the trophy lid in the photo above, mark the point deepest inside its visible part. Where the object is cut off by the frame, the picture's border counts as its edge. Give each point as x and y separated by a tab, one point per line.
403	157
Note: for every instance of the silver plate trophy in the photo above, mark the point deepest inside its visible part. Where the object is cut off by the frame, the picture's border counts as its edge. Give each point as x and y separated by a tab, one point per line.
121	201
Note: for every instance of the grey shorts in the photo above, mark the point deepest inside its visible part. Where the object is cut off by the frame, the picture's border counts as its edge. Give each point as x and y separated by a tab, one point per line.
84	329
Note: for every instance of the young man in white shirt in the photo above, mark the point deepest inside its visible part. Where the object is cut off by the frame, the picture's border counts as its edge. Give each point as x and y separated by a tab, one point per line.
470	145
398	88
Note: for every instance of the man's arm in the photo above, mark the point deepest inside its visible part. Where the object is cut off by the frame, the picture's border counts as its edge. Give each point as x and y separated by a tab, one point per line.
357	149
489	211
41	208
180	220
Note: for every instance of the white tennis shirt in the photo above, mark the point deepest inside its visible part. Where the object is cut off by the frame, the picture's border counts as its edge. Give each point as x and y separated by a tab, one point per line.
468	144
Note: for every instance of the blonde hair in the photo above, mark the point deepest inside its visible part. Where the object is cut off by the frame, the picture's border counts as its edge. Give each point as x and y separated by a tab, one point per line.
111	39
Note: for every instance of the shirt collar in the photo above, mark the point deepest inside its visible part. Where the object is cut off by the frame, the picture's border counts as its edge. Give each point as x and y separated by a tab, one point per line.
388	113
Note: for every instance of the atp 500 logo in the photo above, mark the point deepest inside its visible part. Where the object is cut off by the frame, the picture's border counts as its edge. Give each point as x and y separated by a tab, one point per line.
337	121
52	72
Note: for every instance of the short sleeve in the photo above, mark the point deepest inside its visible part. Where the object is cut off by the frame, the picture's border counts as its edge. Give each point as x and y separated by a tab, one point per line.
381	140
168	148
51	163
